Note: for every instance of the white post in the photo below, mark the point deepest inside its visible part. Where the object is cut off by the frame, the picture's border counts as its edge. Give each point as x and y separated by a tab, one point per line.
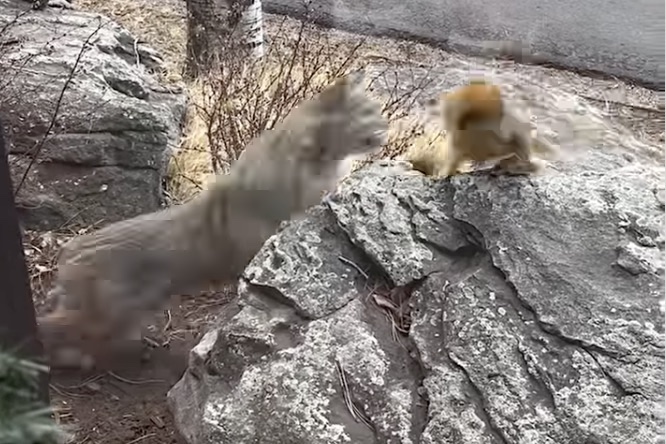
251	23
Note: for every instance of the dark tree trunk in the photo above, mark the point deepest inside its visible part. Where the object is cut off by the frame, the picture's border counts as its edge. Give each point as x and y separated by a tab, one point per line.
210	27
18	327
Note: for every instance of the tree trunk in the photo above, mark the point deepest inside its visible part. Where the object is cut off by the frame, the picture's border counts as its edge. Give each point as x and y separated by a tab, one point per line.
18	326
217	29
205	23
252	29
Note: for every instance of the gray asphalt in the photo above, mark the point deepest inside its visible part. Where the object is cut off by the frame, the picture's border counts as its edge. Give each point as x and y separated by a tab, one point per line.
614	37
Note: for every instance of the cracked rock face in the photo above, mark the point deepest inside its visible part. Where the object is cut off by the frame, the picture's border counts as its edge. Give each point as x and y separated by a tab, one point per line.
475	309
107	152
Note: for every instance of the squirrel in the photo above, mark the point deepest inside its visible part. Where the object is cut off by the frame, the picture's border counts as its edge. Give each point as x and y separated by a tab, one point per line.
480	126
109	279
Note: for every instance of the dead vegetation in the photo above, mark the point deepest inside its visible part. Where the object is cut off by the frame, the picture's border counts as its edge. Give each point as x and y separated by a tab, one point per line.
243	97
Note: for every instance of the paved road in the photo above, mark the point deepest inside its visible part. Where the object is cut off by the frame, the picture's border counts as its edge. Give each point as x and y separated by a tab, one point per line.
617	37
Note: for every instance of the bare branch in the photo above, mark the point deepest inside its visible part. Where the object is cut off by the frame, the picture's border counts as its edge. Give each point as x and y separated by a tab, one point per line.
40	145
241	96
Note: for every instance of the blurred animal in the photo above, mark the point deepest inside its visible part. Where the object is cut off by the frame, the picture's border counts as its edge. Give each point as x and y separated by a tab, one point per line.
480	127
109	279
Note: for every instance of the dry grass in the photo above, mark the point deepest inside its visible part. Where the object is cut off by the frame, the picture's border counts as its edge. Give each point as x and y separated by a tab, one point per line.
229	108
159	23
191	167
41	252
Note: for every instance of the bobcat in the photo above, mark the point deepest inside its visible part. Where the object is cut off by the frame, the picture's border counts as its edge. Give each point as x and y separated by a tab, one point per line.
109	279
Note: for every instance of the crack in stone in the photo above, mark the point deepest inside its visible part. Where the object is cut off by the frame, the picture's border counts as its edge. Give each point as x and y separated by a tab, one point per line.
617	385
86	165
374	272
554	332
464	256
481	404
549	329
423	411
270	294
376	269
537	378
466	251
378	272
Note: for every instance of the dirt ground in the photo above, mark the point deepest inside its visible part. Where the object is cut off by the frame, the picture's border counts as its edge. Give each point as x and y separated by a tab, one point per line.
125	401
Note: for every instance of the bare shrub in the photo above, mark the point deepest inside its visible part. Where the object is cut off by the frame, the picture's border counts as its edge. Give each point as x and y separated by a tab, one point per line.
402	96
243	97
11	63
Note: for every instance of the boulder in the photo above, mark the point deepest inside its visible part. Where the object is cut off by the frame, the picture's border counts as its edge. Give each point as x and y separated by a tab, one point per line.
473	309
115	125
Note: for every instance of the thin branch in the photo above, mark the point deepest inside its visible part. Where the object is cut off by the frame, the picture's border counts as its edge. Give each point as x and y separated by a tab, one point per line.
38	148
134	382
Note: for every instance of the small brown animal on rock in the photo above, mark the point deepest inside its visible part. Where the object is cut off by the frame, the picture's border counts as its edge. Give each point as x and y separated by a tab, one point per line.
480	126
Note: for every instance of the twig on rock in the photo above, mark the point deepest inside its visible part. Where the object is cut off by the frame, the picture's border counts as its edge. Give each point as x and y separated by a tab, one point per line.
356	267
40	145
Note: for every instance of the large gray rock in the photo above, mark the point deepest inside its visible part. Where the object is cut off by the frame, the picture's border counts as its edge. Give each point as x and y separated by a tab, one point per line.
524	310
116	126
